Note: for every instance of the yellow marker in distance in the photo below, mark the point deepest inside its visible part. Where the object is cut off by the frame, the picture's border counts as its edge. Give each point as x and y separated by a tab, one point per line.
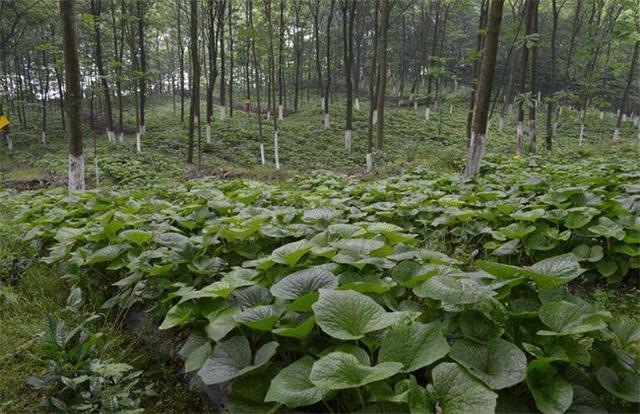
4	121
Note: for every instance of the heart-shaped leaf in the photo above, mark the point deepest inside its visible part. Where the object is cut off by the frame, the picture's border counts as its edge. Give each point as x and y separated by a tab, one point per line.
292	386
414	344
305	281
457	392
340	370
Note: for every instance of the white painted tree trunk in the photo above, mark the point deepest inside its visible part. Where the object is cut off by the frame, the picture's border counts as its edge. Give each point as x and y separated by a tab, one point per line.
9	142
97	172
451	109
327	124
121	136
555	127
581	134
501	122
139	142
539	100
276	150
268	115
262	159
76	173
44	138
601	116
560	111
208	133
415	105
375	117
624	117
280	112
322	102
400	102
616	134
476	147
143	129
223	113
510	109
369	162
520	139
347	139
356	104
532	135
427	114
455	84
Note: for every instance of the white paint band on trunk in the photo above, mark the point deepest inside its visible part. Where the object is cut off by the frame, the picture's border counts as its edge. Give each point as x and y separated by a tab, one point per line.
138	143
76	172
280	112
326	122
276	149
369	162
208	133
262	158
347	139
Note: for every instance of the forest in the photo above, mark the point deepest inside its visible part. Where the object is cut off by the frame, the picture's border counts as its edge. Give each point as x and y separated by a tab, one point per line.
320	206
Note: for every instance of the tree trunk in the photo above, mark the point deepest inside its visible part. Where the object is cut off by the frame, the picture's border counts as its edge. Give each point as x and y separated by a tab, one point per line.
73	96
96	10
45	95
256	68
316	31
143	63
625	96
385	11
533	77
373	82
483	95
328	84
482	22
523	85
272	81
281	63
348	14
223	80
194	109
180	59
230	19
298	49
552	85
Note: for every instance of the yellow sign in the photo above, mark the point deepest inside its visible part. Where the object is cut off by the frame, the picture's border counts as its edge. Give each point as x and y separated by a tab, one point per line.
4	121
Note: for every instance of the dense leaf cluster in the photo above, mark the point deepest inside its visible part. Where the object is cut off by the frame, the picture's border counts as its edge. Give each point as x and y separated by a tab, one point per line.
328	295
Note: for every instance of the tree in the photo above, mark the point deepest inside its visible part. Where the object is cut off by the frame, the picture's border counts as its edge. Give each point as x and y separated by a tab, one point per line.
223	90
524	98
194	110
555	12
73	99
143	63
632	69
348	15
532	75
272	81
385	11
96	9
327	88
483	95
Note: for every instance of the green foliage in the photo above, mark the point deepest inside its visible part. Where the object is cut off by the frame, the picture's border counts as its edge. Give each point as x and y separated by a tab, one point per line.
327	289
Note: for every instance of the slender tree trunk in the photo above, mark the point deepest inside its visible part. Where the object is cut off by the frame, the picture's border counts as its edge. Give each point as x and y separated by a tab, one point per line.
223	80
256	67
272	81
247	102
316	31
523	85
298	47
348	14
327	89
385	10
230	19
180	58
373	76
574	33
625	96
74	96
45	95
96	10
143	63
482	22
194	108
483	95
281	63
533	77
552	84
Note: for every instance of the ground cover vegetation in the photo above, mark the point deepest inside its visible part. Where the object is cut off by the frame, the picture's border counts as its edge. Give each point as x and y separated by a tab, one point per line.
321	206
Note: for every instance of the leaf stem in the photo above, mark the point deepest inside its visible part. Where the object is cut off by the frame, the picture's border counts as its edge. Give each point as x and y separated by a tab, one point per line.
361	398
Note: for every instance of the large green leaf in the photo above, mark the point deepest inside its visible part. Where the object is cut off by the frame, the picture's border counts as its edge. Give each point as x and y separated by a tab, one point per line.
608	228
345	314
551	393
414	344
627	331
499	363
627	387
292	386
261	317
454	289
340	370
290	253
107	254
232	358
554	271
304	281
457	392
566	318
